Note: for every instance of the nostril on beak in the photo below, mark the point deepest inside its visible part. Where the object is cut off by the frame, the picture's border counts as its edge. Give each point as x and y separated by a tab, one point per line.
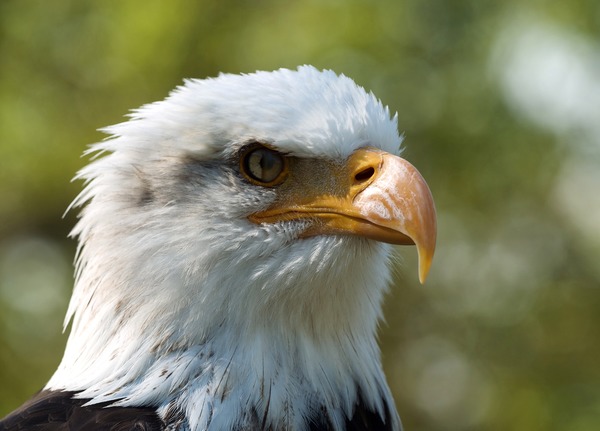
364	175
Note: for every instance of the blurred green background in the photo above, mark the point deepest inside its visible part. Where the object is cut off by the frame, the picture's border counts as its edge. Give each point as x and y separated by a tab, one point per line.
500	105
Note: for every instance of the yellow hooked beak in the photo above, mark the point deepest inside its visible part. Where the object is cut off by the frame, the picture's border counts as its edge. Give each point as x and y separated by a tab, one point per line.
373	194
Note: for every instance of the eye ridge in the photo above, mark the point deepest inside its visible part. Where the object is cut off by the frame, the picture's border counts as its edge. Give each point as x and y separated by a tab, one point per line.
262	165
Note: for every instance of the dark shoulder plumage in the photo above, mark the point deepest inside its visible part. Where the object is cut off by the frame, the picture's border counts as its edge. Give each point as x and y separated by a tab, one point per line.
363	419
57	411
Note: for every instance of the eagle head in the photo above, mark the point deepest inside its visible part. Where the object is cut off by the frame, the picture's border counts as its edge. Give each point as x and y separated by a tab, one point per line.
234	244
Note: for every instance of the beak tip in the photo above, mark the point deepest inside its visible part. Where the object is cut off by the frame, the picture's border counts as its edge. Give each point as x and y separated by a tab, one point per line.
425	259
423	274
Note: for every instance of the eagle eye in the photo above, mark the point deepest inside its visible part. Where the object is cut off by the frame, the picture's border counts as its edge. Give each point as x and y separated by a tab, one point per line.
263	166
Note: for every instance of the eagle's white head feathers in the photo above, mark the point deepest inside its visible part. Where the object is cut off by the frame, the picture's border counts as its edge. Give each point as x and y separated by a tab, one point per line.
185	303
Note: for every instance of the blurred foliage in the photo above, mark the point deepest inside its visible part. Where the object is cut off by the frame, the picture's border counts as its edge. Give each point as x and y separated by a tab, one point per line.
500	106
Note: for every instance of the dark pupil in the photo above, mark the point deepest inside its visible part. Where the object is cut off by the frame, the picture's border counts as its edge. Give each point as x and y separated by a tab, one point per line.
264	165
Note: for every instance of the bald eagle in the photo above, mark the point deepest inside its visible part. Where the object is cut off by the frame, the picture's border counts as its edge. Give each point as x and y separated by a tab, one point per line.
234	248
